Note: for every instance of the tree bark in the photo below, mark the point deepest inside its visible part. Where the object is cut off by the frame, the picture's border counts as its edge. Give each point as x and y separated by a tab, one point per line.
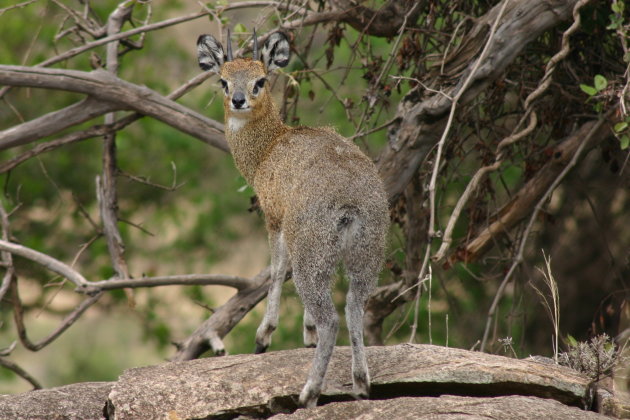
126	96
421	117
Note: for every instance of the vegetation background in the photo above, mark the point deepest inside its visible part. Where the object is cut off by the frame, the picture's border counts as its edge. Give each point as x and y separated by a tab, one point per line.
356	82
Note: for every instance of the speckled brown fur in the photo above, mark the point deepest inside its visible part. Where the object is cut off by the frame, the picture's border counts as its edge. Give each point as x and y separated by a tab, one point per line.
323	201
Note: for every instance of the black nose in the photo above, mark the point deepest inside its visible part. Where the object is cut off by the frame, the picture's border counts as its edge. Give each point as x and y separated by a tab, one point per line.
238	100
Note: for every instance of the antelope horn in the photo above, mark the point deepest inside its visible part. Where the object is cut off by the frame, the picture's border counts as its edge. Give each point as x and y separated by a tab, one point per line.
255	53
229	46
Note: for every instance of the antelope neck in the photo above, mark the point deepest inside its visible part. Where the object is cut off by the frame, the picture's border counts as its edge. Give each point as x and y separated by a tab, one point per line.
252	138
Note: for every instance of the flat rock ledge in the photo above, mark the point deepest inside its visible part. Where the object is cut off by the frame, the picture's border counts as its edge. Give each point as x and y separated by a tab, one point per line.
408	381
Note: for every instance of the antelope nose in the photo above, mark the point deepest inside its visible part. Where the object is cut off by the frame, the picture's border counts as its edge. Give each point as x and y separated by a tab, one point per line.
238	100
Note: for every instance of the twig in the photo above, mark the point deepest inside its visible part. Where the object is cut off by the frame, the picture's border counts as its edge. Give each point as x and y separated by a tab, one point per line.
461	91
20	372
519	255
46	261
239	283
18	313
16	6
432	185
472	186
543	85
371	95
7	258
106	184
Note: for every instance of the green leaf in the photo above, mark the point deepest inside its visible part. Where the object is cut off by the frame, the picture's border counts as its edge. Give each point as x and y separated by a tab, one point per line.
600	82
617	7
589	90
620	126
240	28
624	142
571	340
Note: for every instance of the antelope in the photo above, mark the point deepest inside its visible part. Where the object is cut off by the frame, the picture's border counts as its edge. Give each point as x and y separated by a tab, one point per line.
323	201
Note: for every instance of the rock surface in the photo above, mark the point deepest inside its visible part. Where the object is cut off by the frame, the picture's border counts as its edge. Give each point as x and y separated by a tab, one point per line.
263	385
408	381
82	401
446	407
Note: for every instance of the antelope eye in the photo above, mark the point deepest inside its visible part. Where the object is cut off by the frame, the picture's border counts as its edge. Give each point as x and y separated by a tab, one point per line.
260	83
224	84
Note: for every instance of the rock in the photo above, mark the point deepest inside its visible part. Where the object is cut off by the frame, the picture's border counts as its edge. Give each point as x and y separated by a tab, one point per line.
446	407
82	401
262	385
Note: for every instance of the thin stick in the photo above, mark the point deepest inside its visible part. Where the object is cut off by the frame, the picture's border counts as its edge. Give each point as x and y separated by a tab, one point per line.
44	260
436	165
18	314
519	256
239	283
530	99
20	372
460	93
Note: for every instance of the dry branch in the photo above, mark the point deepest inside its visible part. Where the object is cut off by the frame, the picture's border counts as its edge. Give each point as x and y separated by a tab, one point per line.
592	131
239	283
420	121
126	96
46	261
54	122
106	191
20	372
524	201
18	315
209	334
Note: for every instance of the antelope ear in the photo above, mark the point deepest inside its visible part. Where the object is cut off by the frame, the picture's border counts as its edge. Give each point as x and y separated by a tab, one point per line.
210	53
276	52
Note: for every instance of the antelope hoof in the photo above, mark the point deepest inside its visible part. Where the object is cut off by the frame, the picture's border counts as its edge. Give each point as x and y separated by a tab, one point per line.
361	387
261	348
308	397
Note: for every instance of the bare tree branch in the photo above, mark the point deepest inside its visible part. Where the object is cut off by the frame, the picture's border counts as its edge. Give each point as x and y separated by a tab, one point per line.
107	195
103	86
20	372
95	131
521	205
44	260
18	314
54	122
239	283
587	133
209	334
420	122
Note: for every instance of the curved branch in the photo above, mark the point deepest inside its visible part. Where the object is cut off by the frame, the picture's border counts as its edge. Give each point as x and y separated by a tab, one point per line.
421	121
209	334
386	21
20	372
106	87
239	283
54	122
525	200
589	132
94	131
18	315
44	260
